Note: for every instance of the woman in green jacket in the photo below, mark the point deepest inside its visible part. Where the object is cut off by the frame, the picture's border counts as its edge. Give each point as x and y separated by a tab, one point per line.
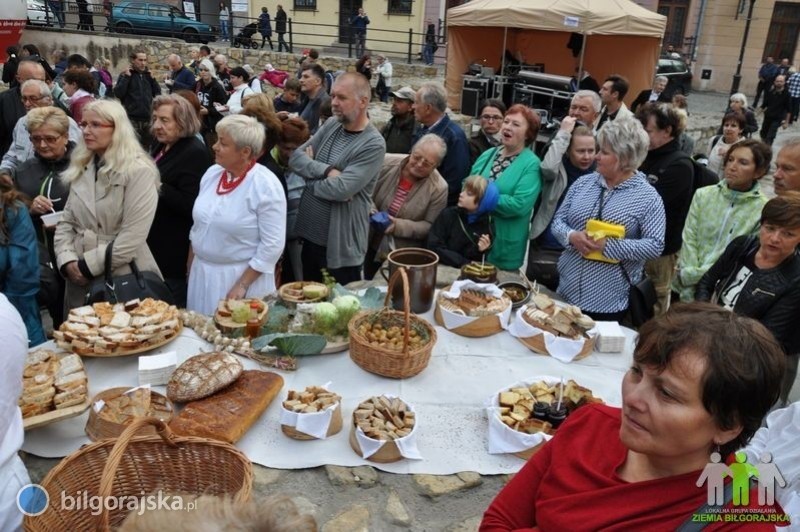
721	212
515	170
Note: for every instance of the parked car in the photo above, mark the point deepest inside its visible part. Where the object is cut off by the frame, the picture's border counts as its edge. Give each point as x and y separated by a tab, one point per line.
678	74
160	19
37	13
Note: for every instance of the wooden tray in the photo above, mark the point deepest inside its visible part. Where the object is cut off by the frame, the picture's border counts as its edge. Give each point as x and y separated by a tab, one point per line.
333	428
226	325
56	415
537	345
387	454
298	285
136	351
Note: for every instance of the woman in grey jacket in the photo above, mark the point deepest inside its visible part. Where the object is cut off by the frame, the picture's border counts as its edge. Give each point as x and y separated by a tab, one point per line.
570	156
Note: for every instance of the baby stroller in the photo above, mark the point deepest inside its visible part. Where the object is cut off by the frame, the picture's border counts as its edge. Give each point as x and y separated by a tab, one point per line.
245	37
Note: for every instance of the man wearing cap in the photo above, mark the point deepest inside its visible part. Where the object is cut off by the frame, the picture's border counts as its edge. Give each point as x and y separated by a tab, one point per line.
399	131
491	118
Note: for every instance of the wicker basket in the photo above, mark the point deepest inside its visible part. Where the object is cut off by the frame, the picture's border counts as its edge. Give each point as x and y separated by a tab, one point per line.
130	466
386	362
537	345
98	427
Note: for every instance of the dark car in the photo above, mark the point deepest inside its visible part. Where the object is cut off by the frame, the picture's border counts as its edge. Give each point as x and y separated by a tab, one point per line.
678	74
160	19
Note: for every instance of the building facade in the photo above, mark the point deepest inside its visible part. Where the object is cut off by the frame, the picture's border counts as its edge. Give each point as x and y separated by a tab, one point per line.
709	34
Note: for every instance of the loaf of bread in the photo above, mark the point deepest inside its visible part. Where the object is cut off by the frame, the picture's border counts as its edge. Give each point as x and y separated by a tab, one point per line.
229	413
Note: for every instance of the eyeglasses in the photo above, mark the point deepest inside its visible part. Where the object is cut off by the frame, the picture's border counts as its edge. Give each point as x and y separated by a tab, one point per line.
491	118
419	159
48	139
94	125
33	99
202	70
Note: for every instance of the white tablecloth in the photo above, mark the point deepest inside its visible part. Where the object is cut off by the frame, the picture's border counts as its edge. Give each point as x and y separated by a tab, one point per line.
449	396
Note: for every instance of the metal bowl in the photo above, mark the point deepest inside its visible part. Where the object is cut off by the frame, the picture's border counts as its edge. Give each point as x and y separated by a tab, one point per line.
516	287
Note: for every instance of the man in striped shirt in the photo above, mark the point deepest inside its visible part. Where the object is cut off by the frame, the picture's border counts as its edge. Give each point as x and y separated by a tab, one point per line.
340	164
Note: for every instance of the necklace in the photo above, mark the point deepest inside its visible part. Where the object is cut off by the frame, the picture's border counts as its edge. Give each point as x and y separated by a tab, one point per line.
228	184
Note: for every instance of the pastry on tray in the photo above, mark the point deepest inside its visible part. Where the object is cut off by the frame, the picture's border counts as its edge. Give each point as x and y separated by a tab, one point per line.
51	383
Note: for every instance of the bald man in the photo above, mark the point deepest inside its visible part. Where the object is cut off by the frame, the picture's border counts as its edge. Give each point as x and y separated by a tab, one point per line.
340	164
180	77
11	106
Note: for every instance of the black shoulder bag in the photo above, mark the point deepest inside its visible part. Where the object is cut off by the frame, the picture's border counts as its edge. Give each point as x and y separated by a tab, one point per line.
642	297
137	284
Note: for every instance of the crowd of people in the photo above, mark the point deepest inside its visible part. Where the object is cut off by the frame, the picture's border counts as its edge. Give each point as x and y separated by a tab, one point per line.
222	191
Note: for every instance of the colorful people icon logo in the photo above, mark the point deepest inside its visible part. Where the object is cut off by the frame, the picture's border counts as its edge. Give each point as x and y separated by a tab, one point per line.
714	476
741	473
768	474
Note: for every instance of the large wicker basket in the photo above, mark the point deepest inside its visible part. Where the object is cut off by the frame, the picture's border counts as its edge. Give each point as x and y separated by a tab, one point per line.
387	362
132	466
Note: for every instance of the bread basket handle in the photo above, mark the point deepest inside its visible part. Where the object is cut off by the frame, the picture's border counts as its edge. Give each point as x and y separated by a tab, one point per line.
115	457
401	273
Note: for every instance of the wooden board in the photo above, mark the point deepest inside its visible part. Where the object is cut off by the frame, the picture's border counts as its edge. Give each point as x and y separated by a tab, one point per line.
136	351
298	285
56	415
226	325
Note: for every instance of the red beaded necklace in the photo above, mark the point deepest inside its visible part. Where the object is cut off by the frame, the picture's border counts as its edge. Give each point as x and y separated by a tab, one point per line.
227	184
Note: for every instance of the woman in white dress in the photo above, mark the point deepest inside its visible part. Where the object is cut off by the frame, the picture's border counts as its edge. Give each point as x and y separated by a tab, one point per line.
239	216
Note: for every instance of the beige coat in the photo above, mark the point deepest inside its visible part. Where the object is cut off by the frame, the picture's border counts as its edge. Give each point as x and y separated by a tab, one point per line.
114	207
424	202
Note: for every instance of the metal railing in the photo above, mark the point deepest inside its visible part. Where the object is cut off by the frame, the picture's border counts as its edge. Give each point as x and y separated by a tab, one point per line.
242	31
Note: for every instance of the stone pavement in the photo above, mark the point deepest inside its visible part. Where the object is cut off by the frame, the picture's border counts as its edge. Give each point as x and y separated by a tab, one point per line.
360	499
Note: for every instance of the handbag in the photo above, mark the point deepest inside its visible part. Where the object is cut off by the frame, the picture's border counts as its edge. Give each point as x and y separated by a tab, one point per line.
122	288
642	296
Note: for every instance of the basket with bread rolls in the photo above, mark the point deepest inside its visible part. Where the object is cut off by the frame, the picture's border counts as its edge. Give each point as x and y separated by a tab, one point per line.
222	399
550	328
312	414
526	414
473	309
384	430
113	411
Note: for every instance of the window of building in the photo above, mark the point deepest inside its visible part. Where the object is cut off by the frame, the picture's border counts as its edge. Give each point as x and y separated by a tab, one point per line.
308	5
400	7
783	29
675	11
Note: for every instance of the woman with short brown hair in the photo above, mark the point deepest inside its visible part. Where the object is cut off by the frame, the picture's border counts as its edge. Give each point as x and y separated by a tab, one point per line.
759	277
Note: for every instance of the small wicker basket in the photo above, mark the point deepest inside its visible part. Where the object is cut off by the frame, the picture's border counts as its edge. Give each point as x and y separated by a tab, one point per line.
387	362
478	328
98	428
537	345
134	465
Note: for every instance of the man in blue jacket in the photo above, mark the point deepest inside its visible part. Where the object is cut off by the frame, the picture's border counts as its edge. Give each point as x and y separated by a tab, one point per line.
766	76
359	23
180	77
430	106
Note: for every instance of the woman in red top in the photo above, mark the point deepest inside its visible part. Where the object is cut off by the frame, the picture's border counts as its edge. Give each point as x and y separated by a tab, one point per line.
701	381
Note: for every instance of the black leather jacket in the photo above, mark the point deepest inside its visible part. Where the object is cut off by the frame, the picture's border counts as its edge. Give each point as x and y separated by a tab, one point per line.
770	296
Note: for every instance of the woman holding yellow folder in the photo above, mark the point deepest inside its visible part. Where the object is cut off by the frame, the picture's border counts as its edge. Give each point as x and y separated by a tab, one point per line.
610	223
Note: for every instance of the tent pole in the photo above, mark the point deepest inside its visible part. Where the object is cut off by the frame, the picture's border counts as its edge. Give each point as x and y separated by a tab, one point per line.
503	55
579	76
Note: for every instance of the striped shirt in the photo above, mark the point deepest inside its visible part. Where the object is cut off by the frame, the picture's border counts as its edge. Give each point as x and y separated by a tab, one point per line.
400	195
314	214
602	287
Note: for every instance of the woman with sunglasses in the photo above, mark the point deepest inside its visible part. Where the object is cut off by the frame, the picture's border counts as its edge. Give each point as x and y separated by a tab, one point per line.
114	193
38	179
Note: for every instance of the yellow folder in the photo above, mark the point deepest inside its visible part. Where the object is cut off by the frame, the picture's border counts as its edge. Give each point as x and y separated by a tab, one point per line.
597	230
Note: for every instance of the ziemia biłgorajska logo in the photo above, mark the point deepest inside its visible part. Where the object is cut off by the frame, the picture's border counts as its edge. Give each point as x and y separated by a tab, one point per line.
737	492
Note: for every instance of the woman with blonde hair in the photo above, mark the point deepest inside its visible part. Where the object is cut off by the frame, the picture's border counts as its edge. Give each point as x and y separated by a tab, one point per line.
239	217
113	196
211	94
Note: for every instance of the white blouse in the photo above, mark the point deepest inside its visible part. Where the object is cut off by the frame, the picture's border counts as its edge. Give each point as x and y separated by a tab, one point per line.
245	225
